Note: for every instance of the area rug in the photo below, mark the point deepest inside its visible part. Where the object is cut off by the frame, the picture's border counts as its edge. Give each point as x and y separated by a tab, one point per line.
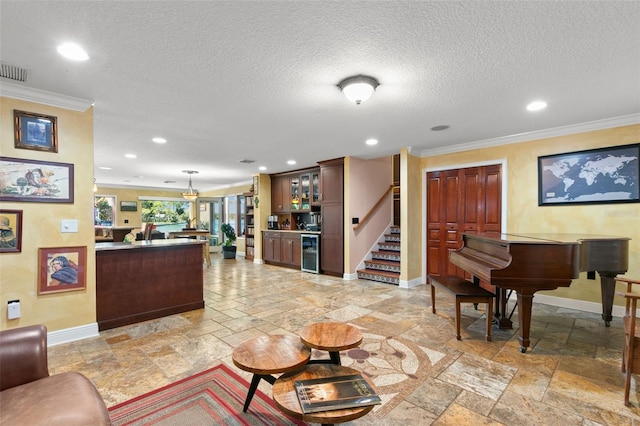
212	397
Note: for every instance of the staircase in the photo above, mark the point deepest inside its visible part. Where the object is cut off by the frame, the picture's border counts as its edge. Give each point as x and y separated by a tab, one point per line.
384	266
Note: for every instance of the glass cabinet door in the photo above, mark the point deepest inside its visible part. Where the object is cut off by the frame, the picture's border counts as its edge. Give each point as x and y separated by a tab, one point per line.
315	188
295	193
304	193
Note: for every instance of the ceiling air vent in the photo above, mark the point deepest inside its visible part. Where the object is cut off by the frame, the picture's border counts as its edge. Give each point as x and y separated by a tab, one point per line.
247	161
12	72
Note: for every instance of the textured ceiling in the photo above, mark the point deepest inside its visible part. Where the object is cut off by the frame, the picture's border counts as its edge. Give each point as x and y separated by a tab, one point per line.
226	81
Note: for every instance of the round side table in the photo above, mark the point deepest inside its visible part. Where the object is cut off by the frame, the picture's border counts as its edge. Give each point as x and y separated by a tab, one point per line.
267	355
331	336
286	399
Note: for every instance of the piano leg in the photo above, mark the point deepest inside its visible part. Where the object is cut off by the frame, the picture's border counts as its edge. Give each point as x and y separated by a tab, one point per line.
525	304
608	288
504	319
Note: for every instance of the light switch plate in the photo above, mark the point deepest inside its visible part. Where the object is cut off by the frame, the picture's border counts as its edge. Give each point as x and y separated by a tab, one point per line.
68	225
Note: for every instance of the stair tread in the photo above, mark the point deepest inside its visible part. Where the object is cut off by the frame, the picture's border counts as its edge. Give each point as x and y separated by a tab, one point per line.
389	274
383	262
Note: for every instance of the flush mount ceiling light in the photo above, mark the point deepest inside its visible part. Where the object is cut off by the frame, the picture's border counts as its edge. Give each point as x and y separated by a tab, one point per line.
358	88
536	106
190	194
73	51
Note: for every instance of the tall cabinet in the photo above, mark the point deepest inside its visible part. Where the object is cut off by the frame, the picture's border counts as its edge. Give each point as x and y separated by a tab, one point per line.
332	213
249	226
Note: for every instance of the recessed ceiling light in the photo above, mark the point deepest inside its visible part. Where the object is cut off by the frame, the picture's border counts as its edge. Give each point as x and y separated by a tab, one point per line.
159	140
131	156
262	168
440	127
291	162
536	106
73	51
372	141
105	168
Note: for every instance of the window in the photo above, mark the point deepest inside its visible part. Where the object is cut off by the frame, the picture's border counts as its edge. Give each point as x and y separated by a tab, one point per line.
104	212
167	215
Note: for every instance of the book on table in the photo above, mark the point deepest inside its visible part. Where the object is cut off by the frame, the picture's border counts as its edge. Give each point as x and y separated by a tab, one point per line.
335	393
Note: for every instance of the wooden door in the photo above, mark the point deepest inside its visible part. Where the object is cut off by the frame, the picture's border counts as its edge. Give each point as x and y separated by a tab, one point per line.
459	201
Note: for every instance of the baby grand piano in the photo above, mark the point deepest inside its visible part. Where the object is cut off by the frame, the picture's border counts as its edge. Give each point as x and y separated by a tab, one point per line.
527	263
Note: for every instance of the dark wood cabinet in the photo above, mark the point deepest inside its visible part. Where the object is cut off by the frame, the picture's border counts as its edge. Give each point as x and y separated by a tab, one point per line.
290	253
280	194
271	247
332	211
282	248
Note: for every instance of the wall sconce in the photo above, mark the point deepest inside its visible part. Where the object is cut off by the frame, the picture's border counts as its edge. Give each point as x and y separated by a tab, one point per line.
190	194
95	187
358	88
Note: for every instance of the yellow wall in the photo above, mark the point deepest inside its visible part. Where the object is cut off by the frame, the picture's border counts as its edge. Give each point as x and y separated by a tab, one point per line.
41	224
524	214
410	217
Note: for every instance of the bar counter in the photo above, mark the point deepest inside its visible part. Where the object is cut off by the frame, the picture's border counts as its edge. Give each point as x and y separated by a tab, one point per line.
144	280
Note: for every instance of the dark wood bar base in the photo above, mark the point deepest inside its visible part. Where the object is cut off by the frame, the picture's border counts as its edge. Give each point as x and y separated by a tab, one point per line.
139	282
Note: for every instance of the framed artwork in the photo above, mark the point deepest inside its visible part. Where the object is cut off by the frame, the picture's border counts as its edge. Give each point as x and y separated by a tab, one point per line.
597	176
256	182
128	206
35	131
62	269
10	231
35	181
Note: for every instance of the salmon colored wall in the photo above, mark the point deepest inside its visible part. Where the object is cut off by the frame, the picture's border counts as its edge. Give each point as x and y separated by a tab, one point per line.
41	224
524	214
365	182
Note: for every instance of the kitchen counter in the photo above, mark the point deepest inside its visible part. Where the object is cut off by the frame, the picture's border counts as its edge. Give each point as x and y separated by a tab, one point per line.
145	244
144	280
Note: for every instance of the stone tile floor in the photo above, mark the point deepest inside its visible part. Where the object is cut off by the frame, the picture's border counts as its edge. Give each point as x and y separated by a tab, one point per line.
570	375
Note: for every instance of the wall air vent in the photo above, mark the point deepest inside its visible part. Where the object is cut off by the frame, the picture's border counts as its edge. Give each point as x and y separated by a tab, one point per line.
12	72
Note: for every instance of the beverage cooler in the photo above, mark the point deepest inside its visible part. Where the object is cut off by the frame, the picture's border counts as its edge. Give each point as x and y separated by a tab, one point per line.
310	253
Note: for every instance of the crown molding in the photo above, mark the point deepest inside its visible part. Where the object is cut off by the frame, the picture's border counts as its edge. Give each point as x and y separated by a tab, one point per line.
606	123
15	91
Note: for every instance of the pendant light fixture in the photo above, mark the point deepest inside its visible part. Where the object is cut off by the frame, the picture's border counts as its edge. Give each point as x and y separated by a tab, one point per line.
358	88
190	194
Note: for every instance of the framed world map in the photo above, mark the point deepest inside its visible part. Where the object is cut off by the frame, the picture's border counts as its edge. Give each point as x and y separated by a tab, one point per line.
604	175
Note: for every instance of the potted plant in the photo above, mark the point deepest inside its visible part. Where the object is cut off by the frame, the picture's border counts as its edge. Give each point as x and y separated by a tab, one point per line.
228	249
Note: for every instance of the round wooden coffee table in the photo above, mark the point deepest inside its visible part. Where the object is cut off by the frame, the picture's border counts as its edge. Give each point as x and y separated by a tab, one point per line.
286	399
331	336
267	355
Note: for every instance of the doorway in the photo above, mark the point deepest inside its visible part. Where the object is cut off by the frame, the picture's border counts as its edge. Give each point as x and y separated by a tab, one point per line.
209	216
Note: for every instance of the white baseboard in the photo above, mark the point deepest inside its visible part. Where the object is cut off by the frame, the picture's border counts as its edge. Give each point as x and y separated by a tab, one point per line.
580	305
410	284
72	334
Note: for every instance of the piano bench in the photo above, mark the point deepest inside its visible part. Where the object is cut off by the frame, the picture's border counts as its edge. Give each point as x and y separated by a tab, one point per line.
465	292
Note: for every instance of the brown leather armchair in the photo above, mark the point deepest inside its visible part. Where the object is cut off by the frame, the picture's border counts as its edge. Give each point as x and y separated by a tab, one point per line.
29	396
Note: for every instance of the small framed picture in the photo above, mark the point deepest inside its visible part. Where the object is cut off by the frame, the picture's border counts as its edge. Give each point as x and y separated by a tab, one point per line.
62	269
35	181
128	206
35	131
10	231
